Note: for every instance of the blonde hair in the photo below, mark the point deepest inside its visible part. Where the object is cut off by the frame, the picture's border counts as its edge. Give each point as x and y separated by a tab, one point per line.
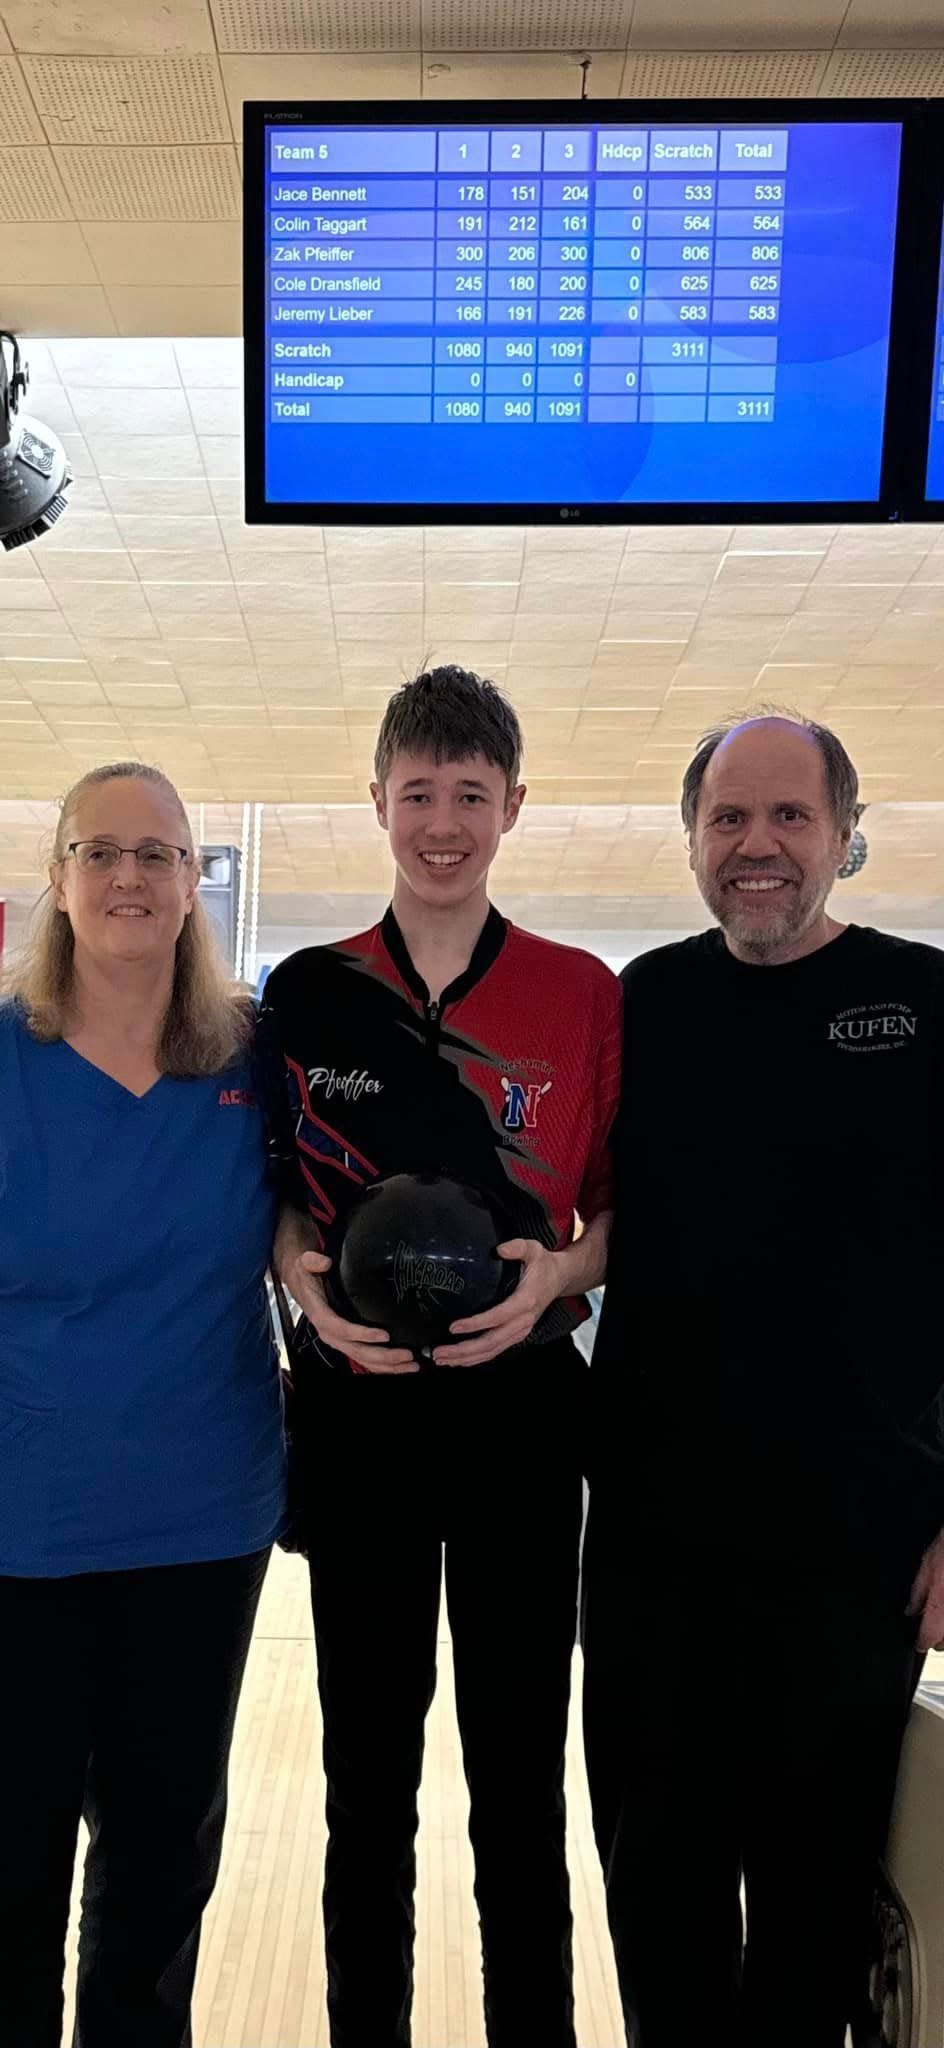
208	1022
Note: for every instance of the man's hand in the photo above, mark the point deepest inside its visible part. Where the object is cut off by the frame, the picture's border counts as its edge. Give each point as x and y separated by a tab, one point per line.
300	1268
497	1329
927	1596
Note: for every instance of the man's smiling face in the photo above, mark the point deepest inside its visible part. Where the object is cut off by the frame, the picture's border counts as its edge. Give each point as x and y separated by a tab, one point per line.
766	847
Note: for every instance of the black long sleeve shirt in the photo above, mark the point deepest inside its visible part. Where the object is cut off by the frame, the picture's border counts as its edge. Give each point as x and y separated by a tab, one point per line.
769	1365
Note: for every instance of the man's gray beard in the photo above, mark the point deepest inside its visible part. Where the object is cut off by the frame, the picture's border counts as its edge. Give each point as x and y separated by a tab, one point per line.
756	943
759	945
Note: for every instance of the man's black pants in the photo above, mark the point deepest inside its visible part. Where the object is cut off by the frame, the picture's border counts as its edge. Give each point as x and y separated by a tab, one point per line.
118	1699
396	1469
737	1725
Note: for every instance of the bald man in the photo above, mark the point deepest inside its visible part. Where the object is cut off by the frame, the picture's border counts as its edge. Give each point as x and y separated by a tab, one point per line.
763	1564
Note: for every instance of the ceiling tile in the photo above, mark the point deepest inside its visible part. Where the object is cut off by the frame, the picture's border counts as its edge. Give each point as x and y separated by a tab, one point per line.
21	565
318	78
167	567
185	498
713	73
883	74
85	565
22	595
512	75
180	254
870	24
359	557
142	455
19	121
222	454
80	459
56	691
213	364
272	25
56	309
151	184
142	697
113	28
189	602
31	188
530	25
141	309
50	404
102	412
216	412
393	598
118	365
236	534
736	24
139	530
213	651
254	566
748	568
687	540
122	605
127	100
113	662
267	627
752	599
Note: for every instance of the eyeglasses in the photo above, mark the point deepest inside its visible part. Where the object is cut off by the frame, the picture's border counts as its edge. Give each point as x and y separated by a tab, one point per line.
100	857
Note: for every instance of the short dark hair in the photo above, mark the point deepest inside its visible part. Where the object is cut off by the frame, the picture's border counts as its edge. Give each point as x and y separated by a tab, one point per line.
842	782
451	714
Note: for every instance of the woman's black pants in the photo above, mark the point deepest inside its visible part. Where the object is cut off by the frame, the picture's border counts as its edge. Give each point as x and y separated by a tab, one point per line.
118	1700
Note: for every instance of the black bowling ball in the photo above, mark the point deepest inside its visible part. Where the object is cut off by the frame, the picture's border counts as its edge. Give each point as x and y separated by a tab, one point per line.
418	1252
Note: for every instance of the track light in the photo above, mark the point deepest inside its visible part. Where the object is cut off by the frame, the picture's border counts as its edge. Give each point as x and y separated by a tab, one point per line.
34	469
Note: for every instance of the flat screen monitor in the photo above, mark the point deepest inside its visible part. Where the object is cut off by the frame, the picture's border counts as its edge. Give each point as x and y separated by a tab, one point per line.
934	475
596	311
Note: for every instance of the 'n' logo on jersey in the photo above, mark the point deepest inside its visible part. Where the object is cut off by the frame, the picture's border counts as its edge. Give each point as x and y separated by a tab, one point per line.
521	1103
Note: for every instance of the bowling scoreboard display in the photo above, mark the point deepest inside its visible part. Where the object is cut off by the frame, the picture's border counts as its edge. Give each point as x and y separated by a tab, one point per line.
935	463
590	311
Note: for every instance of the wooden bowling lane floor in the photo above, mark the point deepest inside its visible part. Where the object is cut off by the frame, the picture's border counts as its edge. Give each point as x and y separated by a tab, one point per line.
261	1980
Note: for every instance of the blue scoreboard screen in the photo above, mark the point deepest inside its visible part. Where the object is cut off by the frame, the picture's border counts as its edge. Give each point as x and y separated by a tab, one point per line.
935	474
469	310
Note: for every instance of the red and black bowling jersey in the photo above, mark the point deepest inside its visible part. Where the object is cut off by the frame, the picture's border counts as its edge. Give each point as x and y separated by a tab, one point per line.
509	1082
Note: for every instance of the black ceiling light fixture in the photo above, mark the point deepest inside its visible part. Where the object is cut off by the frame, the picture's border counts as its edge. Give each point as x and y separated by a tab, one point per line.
34	467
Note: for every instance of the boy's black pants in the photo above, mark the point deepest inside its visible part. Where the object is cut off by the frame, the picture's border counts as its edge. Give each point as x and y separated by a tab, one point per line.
118	1699
489	1469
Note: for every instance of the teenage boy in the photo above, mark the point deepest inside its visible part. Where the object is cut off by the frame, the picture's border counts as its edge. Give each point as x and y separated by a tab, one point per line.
446	1039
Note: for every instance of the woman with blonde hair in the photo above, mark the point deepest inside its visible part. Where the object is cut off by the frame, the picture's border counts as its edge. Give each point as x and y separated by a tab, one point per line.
141	1451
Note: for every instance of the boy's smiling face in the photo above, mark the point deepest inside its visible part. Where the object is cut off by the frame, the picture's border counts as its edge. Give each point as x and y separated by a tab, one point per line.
446	821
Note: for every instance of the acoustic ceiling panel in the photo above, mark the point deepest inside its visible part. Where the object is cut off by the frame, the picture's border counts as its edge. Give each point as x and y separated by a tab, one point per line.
738	24
873	24
519	74
244	27
30	187
151	184
19	121
877	74
129	99
112	28
690	74
342	75
526	24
